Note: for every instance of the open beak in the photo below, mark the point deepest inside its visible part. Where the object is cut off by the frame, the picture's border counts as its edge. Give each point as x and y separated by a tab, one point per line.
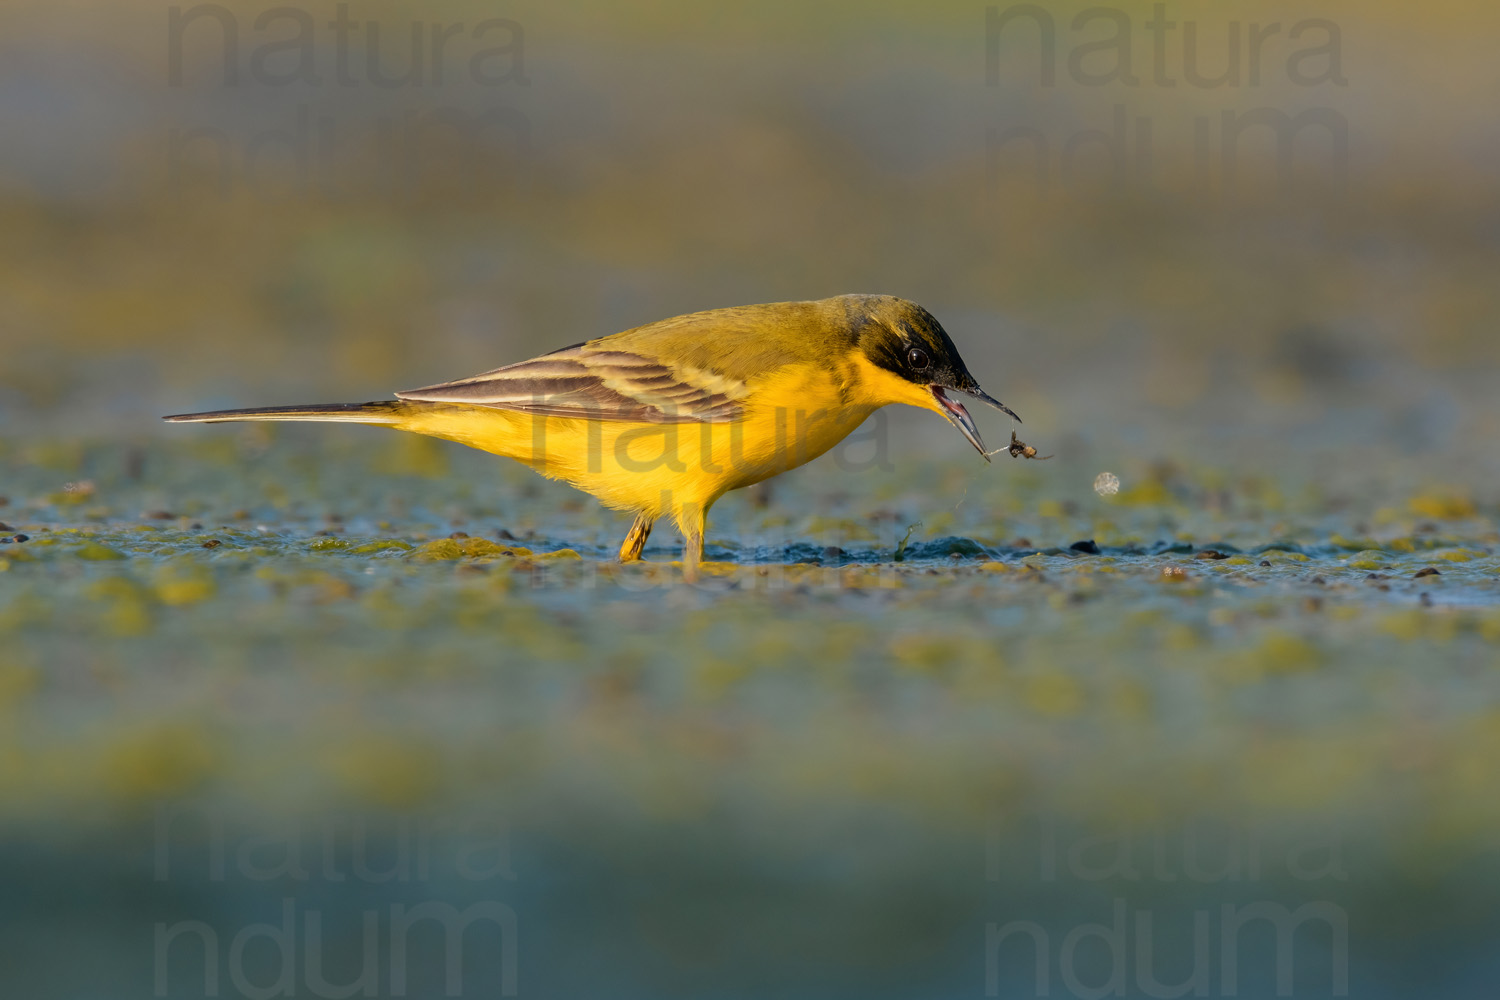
979	393
959	417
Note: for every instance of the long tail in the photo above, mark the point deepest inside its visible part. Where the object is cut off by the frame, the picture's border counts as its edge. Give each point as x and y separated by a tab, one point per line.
383	412
491	429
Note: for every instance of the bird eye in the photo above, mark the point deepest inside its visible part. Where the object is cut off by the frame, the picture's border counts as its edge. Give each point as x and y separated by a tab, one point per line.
917	358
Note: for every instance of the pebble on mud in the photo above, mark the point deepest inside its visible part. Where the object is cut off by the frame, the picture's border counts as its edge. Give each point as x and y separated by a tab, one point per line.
1427	571
1088	547
212	543
1211	554
1265	562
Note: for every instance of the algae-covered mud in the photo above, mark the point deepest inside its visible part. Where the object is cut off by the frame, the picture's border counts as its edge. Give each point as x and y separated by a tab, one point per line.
299	683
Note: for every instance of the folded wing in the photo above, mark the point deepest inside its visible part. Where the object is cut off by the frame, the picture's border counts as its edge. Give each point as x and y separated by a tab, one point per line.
597	383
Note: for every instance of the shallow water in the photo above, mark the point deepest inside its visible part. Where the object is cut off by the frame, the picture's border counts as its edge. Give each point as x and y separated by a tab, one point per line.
822	770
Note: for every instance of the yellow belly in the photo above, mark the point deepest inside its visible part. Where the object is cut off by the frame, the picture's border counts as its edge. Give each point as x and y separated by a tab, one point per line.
660	468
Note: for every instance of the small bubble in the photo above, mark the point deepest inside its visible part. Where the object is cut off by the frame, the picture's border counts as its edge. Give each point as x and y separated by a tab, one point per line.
1107	484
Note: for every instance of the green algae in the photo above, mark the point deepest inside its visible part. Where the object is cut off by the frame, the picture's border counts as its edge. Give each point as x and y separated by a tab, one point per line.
382	545
95	552
444	549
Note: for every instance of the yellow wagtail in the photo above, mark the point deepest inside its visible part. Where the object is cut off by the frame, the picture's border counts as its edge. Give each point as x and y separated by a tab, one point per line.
668	417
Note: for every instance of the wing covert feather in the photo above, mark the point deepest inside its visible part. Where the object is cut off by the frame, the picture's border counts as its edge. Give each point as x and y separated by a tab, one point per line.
686	369
597	385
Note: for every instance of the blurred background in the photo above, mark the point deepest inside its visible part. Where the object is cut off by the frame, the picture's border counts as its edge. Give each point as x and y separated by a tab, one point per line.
1243	255
1273	222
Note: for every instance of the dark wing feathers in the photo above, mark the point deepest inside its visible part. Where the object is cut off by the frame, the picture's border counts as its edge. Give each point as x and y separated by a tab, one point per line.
599	384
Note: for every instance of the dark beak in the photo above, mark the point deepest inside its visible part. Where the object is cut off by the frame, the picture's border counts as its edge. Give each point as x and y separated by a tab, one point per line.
959	417
979	393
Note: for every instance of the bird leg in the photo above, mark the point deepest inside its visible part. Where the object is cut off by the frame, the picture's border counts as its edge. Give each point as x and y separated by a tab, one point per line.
635	539
691	519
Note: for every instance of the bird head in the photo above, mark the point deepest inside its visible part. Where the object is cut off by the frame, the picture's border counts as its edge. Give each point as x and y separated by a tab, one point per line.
908	357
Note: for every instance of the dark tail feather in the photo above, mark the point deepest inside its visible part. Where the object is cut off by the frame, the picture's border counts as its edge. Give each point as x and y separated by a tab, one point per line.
383	412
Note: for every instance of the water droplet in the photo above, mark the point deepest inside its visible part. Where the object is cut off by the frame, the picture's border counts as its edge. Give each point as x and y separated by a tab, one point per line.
1107	484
